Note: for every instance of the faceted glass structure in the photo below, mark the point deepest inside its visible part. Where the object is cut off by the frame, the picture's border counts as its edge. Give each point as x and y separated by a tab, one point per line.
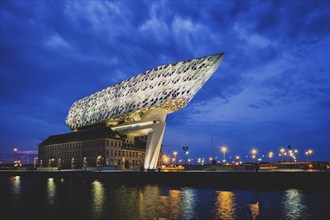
169	86
144	100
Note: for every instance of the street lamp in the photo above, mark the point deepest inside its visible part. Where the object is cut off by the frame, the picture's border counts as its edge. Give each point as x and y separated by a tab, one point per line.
224	150
165	158
309	152
282	150
52	162
185	149
175	153
27	156
254	153
270	155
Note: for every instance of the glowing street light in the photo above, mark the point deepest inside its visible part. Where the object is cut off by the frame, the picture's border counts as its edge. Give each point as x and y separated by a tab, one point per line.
282	150
224	150
166	159
254	153
175	153
15	149
308	152
185	149
270	155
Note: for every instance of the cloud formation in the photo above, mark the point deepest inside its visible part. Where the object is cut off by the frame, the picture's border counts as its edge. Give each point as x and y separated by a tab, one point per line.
272	88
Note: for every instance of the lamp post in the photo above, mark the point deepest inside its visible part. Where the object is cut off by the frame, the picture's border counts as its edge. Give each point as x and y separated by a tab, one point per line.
175	153
224	150
85	163
295	151
52	162
254	153
282	150
185	149
26	154
308	152
165	159
270	155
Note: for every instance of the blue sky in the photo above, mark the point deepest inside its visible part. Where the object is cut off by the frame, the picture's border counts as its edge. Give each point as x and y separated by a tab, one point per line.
271	90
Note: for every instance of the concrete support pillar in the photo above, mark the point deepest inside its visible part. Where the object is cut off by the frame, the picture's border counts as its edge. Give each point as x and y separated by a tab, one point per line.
153	125
154	142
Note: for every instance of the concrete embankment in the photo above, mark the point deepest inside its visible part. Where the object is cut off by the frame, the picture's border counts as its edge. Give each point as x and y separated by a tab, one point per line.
272	180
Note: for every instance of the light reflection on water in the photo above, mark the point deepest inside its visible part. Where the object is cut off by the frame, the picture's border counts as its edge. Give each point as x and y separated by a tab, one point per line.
51	190
254	208
149	201
225	205
97	199
15	182
188	203
294	204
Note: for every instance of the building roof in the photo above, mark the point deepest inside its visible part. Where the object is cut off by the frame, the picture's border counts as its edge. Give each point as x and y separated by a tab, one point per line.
170	86
92	133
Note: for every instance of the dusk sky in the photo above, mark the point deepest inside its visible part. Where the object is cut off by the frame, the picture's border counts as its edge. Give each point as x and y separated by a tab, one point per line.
271	90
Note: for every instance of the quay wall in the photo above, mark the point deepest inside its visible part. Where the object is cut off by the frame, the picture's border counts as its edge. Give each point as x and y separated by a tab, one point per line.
272	180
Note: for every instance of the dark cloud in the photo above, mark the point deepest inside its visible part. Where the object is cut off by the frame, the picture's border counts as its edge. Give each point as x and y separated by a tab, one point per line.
276	55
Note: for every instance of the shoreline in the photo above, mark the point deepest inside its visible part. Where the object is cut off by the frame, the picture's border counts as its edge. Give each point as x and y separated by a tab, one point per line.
242	179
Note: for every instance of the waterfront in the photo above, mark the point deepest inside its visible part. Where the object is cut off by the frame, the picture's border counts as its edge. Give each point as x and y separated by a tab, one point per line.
62	197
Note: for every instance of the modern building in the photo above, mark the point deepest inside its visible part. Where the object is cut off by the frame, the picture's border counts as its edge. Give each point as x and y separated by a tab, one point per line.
132	110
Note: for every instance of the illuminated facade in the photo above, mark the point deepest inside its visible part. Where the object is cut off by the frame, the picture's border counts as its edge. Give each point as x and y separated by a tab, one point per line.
168	87
99	146
139	105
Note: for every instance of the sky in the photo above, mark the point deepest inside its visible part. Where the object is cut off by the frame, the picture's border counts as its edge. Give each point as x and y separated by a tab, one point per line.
271	90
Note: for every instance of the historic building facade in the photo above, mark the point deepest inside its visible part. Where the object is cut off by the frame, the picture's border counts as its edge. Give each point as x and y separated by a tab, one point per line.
92	147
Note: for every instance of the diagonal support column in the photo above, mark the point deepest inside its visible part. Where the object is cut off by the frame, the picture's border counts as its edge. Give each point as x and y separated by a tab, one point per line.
152	124
154	142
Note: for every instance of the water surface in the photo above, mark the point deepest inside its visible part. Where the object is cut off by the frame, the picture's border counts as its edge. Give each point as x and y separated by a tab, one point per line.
58	198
